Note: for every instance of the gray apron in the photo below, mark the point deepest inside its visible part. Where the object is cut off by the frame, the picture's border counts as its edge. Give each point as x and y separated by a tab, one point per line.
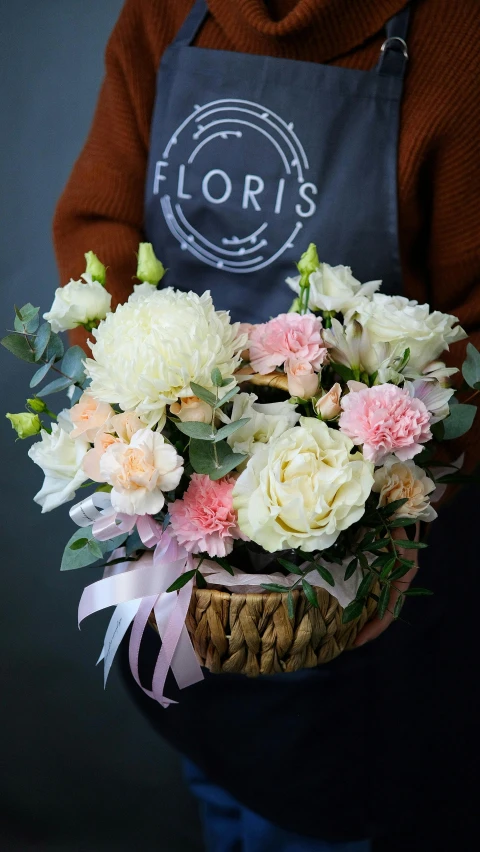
252	158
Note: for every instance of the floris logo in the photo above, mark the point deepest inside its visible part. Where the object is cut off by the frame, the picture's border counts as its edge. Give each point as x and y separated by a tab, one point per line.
233	187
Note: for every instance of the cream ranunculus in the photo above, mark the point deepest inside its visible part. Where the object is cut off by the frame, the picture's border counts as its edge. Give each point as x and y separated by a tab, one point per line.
77	303
60	458
140	472
302	489
266	422
407	325
405	480
333	288
148	352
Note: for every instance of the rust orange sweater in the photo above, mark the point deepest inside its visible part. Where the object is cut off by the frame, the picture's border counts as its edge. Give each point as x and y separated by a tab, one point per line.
439	151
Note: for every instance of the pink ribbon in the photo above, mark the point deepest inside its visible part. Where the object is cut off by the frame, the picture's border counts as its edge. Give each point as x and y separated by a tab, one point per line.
147	580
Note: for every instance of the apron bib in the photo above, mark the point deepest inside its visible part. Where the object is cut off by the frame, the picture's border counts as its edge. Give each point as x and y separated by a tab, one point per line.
253	157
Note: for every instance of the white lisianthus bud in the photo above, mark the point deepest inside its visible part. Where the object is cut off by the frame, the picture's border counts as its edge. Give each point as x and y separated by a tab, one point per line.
328	406
192	408
25	424
78	303
149	268
95	268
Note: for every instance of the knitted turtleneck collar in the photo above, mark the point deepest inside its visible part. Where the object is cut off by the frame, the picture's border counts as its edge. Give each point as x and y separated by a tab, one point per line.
334	26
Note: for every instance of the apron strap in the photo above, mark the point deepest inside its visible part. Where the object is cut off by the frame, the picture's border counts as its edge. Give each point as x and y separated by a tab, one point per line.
394	51
192	24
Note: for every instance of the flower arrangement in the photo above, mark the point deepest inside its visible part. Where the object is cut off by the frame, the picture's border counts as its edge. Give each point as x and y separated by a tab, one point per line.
281	458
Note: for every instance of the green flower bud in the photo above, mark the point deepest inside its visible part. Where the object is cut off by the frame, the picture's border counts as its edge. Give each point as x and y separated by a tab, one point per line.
37	404
295	306
308	262
25	424
149	268
95	268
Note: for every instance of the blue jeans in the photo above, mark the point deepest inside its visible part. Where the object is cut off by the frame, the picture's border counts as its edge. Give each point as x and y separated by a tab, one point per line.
230	827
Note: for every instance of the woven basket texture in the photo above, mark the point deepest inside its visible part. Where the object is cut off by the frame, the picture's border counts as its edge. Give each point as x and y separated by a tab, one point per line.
252	634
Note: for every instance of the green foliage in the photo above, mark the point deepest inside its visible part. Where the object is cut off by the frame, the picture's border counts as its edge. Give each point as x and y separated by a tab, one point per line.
459	420
19	346
26	319
310	593
351	568
216	376
182	581
82	549
203	393
471	367
216	460
383	601
40	374
325	574
344	372
290	566
352	611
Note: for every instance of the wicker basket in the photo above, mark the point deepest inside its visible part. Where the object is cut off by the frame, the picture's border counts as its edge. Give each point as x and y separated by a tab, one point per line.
252	634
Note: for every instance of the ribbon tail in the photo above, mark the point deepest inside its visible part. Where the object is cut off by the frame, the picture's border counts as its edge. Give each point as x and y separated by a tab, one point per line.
170	641
185	665
118	626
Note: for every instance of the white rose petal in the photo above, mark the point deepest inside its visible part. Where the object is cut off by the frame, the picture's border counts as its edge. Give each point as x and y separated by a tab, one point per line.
148	352
78	302
60	458
302	489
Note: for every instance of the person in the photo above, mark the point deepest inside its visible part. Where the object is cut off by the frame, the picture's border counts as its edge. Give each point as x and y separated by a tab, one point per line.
230	135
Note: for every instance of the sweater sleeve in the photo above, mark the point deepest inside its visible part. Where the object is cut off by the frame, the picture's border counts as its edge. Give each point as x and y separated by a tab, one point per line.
455	243
101	208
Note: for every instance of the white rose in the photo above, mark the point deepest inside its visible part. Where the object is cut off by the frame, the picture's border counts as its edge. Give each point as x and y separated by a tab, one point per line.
78	302
302	489
333	288
140	472
267	422
405	480
60	458
148	352
407	325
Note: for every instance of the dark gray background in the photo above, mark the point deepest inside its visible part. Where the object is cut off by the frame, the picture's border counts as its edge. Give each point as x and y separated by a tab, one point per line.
81	770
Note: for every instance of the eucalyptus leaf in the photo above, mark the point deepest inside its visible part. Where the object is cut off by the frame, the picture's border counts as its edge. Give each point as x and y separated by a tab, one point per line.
228	396
230	428
459	420
230	463
79	543
55	347
41	340
26	319
216	377
200	431
56	386
79	558
203	393
18	345
471	366
40	374
73	363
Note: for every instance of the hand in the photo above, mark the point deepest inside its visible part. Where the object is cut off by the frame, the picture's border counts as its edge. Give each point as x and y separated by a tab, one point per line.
376	626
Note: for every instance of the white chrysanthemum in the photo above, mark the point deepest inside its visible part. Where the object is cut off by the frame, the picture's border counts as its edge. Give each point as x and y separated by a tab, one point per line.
146	353
302	489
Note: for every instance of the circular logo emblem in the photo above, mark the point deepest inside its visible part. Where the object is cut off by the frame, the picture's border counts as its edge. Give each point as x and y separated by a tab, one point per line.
233	185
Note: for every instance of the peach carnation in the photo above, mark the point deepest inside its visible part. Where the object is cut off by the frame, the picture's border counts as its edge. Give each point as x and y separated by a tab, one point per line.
287	336
89	416
204	521
385	419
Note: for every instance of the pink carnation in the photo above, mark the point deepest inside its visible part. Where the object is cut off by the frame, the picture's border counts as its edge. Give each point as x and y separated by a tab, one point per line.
287	336
204	521
385	419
